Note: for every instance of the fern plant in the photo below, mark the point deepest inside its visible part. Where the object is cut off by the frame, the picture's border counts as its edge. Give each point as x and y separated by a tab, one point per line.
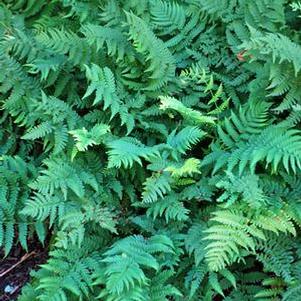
156	144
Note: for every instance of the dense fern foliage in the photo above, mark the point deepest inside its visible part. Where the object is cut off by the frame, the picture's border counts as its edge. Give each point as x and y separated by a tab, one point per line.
157	143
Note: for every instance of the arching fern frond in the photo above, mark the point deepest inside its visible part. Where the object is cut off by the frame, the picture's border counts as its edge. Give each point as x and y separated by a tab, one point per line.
126	151
191	116
167	15
276	45
233	231
62	176
115	41
126	260
155	187
159	63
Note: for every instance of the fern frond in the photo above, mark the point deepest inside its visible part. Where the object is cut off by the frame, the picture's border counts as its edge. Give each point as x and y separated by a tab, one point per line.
63	176
103	83
160	66
194	242
234	231
39	131
126	258
189	167
42	206
191	116
170	208
167	15
85	138
277	46
184	139
155	187
113	38
126	151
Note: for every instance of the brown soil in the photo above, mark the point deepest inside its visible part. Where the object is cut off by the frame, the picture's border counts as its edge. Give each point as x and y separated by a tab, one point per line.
15	268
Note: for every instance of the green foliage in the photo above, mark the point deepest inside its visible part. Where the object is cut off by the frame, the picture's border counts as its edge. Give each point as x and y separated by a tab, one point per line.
159	63
275	45
14	177
126	151
232	231
156	144
125	259
68	274
85	138
103	83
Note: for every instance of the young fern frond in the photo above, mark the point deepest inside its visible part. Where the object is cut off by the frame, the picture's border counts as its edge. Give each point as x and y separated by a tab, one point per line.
191	116
188	168
85	138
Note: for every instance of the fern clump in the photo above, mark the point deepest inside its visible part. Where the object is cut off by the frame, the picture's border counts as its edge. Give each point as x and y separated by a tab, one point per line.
155	146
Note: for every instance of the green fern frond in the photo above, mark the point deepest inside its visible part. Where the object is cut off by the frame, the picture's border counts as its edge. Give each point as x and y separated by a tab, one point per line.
115	41
277	46
246	187
39	131
184	139
66	42
160	66
155	187
167	15
234	232
126	258
103	83
126	151
63	176
194	242
191	116
170	208
42	206
85	138
194	278
189	167
68	275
